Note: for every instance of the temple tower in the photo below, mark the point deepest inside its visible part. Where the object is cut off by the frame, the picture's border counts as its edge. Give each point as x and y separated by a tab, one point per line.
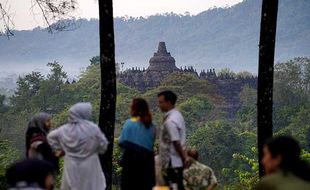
162	61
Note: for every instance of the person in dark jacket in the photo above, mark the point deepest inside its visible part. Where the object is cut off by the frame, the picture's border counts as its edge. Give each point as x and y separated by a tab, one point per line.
37	146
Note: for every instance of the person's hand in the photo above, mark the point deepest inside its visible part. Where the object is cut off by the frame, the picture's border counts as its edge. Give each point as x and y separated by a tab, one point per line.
59	153
187	162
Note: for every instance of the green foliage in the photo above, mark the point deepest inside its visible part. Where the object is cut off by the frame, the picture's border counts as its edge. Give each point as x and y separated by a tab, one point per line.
226	72
291	90
216	142
292	99
305	155
247	172
195	110
299	127
117	153
7	156
59	176
3	107
246	114
226	145
244	74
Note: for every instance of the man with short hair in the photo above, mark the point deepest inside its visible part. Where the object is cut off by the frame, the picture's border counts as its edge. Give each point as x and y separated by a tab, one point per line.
172	152
198	176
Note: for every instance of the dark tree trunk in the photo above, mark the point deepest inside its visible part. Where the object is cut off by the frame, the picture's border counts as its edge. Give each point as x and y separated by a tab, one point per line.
108	84
265	74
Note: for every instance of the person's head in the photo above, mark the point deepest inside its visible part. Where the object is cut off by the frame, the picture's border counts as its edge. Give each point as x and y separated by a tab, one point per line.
31	172
283	153
193	153
41	120
280	153
140	108
80	111
166	100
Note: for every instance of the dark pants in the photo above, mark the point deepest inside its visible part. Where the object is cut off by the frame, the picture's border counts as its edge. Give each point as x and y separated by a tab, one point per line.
174	175
138	172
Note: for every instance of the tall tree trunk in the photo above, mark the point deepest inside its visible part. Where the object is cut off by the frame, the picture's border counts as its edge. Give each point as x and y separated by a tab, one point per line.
108	84
265	74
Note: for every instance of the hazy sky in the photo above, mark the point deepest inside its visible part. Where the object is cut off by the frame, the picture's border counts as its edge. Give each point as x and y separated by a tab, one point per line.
24	18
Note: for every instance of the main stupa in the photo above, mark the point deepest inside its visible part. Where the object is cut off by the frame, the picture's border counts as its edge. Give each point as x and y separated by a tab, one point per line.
162	61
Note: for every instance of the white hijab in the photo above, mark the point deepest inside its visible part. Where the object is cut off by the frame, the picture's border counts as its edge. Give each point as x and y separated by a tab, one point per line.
79	135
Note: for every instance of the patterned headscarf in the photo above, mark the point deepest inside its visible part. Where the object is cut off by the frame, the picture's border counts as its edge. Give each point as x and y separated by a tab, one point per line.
39	121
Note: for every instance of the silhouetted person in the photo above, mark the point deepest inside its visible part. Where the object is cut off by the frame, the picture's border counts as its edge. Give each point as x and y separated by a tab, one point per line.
283	167
137	141
31	174
37	146
81	141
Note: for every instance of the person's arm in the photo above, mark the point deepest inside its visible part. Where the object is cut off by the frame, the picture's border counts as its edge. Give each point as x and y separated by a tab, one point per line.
123	134
178	147
212	180
176	139
103	142
53	141
212	186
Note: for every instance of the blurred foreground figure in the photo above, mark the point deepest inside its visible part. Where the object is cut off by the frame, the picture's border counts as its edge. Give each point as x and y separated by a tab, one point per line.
198	176
81	141
31	174
137	141
37	146
283	167
172	143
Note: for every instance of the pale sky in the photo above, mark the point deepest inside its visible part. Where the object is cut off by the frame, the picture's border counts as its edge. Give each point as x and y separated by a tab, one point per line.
24	18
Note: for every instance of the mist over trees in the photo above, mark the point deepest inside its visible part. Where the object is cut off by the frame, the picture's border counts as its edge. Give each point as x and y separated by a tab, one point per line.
226	144
223	38
216	38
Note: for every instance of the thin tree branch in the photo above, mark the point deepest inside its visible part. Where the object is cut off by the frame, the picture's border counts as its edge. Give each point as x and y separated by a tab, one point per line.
6	23
58	15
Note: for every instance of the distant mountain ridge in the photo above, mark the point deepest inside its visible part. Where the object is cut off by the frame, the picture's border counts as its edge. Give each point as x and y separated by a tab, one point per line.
216	38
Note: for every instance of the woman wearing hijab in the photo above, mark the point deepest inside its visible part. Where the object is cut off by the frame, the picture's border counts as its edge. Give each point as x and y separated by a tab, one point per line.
137	141
37	146
81	141
283	167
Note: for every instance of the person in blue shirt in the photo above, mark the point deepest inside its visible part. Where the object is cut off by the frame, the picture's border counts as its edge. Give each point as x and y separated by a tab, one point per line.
137	141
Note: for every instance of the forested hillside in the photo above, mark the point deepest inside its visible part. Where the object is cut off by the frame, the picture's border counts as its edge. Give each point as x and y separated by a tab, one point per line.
227	145
215	38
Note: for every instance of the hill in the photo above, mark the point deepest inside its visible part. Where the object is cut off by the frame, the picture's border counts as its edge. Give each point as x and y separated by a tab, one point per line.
216	38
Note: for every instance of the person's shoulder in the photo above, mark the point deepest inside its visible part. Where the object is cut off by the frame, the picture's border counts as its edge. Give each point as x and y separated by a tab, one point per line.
32	129
200	166
94	125
175	112
176	115
269	182
129	123
60	128
91	125
203	166
271	177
